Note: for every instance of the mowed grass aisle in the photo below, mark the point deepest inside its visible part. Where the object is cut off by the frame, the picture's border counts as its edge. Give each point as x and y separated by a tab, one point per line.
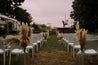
52	54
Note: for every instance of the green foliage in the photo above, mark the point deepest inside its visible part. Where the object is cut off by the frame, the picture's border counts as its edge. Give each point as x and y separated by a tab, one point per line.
7	6
12	9
23	15
43	27
86	12
39	28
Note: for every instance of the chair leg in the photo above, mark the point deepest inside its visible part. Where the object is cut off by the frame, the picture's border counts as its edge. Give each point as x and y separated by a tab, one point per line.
10	59
43	43
37	47
67	47
73	52
40	44
32	52
71	49
7	53
4	58
28	50
65	44
34	49
16	57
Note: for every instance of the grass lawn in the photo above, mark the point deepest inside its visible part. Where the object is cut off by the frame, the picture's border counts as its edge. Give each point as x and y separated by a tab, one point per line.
53	53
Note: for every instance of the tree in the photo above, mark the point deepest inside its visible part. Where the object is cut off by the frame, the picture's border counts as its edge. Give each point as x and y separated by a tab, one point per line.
23	15
37	28
86	12
12	9
7	6
43	27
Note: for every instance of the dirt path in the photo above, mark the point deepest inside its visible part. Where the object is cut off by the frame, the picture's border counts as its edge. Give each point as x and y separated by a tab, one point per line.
52	54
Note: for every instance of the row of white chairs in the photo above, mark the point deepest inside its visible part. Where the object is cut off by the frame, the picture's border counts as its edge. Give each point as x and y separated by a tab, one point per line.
70	40
13	49
71	43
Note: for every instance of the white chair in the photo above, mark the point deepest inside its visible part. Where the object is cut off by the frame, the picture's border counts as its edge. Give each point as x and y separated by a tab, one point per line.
41	42
66	39
2	51
90	52
32	48
87	52
70	42
61	40
7	48
14	50
35	46
64	42
76	46
44	42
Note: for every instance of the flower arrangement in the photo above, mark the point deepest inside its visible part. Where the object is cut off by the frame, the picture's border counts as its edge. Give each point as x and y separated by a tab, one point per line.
81	36
46	34
49	28
25	37
57	32
60	35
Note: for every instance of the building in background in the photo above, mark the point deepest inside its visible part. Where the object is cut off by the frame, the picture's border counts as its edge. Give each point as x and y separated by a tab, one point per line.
8	25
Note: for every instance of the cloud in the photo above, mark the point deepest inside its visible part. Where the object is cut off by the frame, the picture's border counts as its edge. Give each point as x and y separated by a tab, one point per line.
53	21
32	7
48	11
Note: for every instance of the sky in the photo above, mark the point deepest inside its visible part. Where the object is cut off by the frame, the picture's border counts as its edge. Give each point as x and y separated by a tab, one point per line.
49	12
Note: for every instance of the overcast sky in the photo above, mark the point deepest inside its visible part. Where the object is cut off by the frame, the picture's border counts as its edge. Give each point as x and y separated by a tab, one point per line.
49	12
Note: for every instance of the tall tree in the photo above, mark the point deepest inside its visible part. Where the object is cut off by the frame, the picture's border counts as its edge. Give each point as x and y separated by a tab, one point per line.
86	12
23	15
12	9
37	28
7	6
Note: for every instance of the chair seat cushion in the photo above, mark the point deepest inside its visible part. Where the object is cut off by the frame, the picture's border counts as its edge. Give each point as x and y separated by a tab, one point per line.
29	47
90	51
17	51
34	43
1	51
38	41
77	46
71	44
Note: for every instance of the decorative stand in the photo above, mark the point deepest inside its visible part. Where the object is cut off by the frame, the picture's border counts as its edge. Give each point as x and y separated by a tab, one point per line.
24	59
87	57
80	58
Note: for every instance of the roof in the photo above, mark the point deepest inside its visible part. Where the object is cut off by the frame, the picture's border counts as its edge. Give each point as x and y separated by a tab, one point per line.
6	17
